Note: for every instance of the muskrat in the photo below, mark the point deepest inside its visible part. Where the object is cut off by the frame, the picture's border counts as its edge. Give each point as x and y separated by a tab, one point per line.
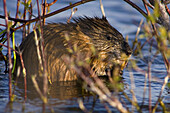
84	32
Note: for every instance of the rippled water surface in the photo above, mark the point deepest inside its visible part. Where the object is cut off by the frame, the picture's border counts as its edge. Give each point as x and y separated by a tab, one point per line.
64	96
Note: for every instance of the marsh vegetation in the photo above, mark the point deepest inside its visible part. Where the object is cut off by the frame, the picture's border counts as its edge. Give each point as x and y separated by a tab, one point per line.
150	45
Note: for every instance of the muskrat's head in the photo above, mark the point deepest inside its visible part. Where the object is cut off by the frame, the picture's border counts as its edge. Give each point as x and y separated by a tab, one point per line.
112	48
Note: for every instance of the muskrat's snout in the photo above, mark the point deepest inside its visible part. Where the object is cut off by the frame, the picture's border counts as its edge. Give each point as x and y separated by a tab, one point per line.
112	49
126	48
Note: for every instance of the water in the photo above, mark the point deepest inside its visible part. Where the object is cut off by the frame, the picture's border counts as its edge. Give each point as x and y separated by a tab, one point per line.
64	97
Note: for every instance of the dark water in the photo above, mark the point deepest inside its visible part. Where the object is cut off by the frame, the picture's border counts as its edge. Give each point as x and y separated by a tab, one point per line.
64	96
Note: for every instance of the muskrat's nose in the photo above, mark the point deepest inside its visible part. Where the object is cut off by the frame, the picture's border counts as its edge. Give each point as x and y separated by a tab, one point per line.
129	52
126	48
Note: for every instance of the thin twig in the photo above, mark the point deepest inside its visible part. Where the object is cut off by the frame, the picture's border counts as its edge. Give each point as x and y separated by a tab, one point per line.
167	10
24	17
102	8
144	90
45	81
18	3
14	19
24	74
150	93
30	16
9	50
49	4
145	4
136	7
162	89
44	10
72	13
151	6
3	25
37	87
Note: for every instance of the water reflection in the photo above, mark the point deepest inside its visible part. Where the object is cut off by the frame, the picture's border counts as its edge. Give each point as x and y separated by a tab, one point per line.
59	90
62	97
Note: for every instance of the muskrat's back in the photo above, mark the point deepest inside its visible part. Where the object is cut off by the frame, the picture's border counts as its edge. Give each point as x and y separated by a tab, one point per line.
84	32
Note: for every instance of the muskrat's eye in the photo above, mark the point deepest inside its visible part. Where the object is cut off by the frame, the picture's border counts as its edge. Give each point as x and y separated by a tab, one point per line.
108	37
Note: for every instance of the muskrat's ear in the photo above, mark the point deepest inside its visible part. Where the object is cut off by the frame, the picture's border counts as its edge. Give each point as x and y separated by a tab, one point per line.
104	18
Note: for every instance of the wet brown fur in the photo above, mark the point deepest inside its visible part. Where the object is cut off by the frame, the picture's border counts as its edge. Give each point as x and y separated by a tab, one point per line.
84	32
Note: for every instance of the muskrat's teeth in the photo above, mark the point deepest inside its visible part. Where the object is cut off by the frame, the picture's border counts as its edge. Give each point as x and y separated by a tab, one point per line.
102	73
